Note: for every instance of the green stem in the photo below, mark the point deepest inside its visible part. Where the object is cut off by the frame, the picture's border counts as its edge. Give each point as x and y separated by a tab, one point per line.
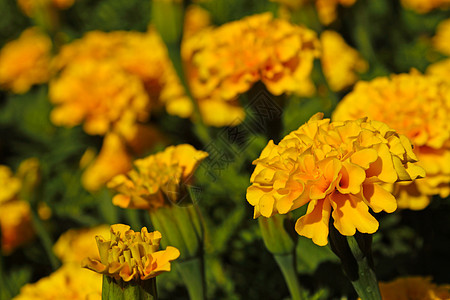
192	272
366	285
287	266
133	290
45	239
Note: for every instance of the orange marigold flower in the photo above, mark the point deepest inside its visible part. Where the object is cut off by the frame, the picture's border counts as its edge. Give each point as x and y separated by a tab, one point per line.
25	61
340	62
419	107
157	178
414	288
326	9
112	160
226	61
29	7
337	169
75	244
15	214
100	95
131	255
424	6
440	69
69	282
440	40
142	79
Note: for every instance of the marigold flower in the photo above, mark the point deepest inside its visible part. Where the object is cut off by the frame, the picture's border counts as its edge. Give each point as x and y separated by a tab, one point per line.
69	282
326	9
117	67
131	255
425	6
419	107
112	160
75	244
157	178
275	52
29	7
440	40
337	169
440	69
340	62
99	94
413	288
15	218
25	61
195	19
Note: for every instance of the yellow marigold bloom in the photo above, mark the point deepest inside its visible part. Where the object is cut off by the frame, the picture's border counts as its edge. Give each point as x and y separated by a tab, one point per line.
195	19
414	288
100	95
9	184
15	218
131	76
424	6
326	9
340	62
226	61
417	106
131	255
440	40
440	69
25	61
112	160
69	282
157	178
337	169
75	244
29	7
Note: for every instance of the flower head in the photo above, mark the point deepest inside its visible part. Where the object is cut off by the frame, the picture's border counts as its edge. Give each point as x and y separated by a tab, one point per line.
417	106
413	288
75	244
440	40
157	178
326	9
112	160
111	81
25	61
425	6
30	7
69	282
226	61
131	255
340	62
15	214
333	167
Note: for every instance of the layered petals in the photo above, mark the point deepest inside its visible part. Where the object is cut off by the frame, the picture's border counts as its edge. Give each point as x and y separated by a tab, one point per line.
131	255
338	169
419	106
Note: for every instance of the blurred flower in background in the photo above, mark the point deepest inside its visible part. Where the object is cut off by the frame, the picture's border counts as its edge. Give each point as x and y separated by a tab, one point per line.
340	62
75	244
442	37
25	62
417	106
413	288
226	61
15	214
326	9
135	82
337	167
157	178
69	282
425	6
31	7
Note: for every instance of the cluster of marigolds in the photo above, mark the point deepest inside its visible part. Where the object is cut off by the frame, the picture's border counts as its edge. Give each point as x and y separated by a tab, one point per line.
365	158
